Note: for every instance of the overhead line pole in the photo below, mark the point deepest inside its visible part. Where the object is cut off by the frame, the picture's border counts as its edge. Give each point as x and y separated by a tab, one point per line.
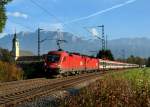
103	45
59	39
39	41
106	42
103	37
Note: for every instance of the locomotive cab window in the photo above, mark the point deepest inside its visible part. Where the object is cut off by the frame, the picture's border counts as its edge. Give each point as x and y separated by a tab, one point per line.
53	58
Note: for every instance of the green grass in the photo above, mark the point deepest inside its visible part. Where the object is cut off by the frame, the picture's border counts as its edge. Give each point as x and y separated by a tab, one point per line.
120	89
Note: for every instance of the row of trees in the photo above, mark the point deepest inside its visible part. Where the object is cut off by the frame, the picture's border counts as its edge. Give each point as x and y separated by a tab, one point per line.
139	60
135	60
107	54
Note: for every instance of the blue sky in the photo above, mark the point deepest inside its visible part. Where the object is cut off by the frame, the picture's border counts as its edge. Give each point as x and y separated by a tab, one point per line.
122	18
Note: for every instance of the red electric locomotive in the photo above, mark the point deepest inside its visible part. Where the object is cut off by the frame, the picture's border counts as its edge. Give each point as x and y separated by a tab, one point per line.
62	62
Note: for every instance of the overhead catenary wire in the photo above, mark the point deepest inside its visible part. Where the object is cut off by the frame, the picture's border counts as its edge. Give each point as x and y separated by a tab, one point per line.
24	26
49	13
52	15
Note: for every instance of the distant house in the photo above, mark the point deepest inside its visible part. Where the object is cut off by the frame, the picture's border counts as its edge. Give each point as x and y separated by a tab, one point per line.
30	59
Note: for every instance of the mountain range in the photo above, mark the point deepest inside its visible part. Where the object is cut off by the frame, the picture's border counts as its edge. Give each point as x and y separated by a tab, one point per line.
122	47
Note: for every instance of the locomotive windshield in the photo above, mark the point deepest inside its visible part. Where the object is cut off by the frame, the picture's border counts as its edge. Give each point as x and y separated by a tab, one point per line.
53	58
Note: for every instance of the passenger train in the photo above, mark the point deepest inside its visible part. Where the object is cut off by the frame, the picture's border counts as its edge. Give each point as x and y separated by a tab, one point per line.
65	63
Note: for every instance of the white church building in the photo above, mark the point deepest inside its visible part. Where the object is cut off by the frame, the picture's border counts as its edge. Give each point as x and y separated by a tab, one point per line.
18	56
15	47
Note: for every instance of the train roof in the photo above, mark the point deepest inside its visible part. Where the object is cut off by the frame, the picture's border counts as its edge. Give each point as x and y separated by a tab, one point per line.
70	53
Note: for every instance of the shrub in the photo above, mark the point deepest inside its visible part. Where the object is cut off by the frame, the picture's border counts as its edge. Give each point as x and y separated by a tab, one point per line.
32	70
6	56
10	72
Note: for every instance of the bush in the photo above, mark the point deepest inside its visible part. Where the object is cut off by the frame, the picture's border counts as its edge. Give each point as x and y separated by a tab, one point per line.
32	70
6	56
10	72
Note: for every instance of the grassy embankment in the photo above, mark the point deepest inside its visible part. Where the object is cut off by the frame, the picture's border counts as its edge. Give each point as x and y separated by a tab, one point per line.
10	72
119	89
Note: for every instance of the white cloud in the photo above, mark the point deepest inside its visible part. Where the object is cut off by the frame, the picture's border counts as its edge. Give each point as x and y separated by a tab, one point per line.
17	14
94	32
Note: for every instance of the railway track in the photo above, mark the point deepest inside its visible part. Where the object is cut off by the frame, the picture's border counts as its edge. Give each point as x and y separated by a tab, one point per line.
17	86
23	91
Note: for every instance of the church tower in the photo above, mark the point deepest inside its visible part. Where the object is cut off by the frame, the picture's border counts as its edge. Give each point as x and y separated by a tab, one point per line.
15	47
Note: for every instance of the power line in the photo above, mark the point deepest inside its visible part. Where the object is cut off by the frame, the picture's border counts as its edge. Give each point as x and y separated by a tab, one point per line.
51	14
24	26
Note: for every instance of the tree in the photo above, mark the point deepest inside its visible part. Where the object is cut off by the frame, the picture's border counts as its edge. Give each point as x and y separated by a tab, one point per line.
3	16
6	56
131	59
136	60
105	54
148	62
